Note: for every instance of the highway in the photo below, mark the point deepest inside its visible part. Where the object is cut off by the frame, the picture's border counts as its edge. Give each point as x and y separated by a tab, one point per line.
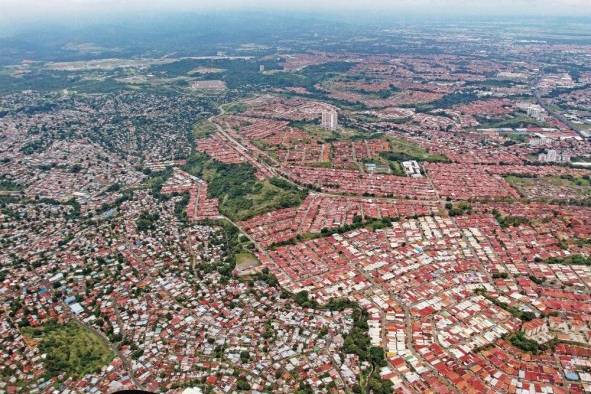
548	108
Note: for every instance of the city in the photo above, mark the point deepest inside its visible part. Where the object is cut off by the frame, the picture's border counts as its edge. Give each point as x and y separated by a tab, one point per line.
392	208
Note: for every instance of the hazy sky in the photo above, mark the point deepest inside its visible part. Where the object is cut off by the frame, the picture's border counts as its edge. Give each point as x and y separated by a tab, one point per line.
14	12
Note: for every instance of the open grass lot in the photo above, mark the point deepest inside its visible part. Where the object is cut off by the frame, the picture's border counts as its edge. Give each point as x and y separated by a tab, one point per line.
269	149
552	187
318	133
203	129
70	349
245	261
265	197
240	193
514	122
402	150
235	108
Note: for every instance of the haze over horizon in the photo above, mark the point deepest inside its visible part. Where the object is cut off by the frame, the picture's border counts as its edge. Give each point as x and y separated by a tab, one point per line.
18	13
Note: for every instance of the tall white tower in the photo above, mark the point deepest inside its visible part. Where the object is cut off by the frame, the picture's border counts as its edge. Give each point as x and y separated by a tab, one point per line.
330	119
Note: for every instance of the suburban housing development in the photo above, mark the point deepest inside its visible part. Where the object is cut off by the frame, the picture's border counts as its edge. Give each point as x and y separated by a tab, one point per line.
394	209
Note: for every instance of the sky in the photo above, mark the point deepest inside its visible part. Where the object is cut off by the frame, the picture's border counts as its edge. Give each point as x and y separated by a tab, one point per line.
16	12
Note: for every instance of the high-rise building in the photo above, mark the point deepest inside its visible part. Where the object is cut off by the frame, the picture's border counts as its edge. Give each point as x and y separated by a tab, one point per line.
536	112
553	156
330	119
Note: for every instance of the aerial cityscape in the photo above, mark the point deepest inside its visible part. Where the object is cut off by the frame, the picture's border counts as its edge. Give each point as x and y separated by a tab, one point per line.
292	203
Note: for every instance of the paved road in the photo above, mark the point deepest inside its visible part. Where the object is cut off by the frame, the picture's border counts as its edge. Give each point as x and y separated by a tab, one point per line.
549	109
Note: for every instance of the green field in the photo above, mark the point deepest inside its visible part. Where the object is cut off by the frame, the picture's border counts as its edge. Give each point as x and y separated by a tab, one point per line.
565	186
265	197
318	133
269	149
518	121
574	182
70	348
235	108
203	129
396	168
402	150
518	138
520	181
579	183
246	260
240	193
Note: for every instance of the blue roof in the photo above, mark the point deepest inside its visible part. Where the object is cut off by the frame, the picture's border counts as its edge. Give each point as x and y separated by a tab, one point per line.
76	308
570	375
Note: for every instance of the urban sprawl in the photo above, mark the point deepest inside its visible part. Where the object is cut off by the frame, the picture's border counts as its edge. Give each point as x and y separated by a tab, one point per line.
341	222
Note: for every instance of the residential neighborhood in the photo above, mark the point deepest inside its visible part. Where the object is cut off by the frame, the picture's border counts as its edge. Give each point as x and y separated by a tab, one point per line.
316	209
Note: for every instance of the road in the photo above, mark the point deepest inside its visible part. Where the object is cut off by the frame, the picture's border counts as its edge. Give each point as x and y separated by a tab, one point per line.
542	103
276	171
408	320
